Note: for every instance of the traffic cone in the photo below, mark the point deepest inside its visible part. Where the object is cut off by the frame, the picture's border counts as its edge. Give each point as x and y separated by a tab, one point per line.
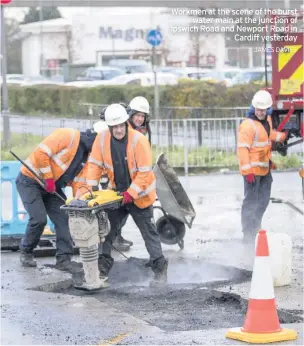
261	324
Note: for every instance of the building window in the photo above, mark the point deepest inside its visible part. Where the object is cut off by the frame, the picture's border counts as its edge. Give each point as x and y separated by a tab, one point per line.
257	59
233	57
244	57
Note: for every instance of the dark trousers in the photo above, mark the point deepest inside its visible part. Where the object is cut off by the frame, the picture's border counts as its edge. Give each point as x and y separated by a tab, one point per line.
144	220
257	196
39	203
118	233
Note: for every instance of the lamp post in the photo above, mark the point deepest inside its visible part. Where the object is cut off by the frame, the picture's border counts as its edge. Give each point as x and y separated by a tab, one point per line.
41	39
4	105
265	49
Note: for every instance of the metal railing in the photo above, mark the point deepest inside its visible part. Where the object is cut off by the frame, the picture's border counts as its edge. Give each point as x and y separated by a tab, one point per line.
92	110
188	143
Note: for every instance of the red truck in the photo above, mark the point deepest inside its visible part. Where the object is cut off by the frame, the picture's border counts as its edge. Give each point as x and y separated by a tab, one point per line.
287	88
288	74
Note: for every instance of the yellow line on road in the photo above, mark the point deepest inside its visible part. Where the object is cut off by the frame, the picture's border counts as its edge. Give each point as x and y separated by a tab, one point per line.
116	339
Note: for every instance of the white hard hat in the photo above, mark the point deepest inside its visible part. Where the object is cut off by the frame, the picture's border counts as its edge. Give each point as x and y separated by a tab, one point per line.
140	104
100	126
262	100
115	114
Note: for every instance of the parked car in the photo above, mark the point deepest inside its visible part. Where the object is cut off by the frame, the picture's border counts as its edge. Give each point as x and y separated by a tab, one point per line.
13	78
142	79
222	76
100	73
187	72
131	65
86	83
42	80
247	76
145	79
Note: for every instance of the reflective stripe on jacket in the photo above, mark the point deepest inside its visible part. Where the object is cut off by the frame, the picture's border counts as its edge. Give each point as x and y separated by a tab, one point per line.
53	155
139	158
254	146
80	182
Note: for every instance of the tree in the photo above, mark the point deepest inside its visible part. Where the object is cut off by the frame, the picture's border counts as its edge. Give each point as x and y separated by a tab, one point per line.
33	14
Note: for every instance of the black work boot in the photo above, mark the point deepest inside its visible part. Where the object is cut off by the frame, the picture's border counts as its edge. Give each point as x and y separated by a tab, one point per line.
122	244
159	267
149	264
27	259
105	263
65	264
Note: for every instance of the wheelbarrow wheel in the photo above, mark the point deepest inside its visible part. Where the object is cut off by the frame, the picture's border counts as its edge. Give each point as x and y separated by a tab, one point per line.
171	231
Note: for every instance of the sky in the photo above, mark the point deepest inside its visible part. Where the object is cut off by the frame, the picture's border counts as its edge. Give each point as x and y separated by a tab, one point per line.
69	12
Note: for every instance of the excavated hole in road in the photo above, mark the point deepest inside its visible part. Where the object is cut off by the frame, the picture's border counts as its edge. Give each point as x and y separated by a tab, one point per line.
190	301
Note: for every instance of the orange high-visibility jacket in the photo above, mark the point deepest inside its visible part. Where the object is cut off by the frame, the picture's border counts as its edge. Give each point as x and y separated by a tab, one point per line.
254	146
139	158
80	182
54	154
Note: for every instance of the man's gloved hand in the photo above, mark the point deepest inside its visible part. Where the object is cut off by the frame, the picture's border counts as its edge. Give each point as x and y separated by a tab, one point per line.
282	148
292	133
250	178
273	165
49	185
287	134
127	198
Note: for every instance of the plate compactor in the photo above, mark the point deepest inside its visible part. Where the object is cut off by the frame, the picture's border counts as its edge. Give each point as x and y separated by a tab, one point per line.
89	225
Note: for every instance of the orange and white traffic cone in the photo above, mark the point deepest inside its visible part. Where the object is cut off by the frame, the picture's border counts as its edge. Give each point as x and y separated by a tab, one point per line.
261	324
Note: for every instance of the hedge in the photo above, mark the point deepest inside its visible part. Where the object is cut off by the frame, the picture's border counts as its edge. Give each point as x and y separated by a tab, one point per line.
64	101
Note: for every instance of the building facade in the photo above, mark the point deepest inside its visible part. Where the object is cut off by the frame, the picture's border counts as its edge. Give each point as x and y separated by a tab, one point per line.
107	33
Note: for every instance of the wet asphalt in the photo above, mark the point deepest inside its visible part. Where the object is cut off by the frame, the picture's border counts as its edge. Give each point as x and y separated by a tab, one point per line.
207	292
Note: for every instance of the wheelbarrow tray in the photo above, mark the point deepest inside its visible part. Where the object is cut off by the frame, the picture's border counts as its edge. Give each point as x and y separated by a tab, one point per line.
171	194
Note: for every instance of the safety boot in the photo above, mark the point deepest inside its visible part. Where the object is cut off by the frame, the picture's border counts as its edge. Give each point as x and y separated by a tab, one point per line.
149	264
27	259
105	263
159	267
65	264
122	244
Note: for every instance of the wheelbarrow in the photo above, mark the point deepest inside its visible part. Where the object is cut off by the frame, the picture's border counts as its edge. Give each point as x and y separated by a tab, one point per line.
175	205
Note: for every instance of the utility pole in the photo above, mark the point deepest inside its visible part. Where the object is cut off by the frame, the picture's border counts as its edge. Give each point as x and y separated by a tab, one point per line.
4	95
265	48
41	39
197	53
154	38
156	96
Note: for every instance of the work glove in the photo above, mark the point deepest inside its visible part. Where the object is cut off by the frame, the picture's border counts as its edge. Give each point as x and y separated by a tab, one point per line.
292	133
250	178
127	198
282	148
288	135
49	185
273	165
